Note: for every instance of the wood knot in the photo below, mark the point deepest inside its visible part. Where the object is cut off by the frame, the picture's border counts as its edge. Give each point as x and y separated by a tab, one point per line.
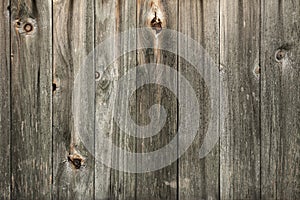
76	160
279	55
28	27
156	24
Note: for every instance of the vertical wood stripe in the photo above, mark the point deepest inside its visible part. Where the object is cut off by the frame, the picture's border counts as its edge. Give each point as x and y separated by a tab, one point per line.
73	31
113	18
240	142
157	184
31	83
280	99
5	106
199	20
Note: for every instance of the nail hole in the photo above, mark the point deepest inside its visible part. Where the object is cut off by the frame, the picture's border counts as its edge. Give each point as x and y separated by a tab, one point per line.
28	27
18	23
97	75
279	55
54	87
156	24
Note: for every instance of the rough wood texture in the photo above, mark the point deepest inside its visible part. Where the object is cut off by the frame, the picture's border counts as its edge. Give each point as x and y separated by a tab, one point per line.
280	99
50	134
199	20
240	142
157	184
5	121
31	83
113	18
73	32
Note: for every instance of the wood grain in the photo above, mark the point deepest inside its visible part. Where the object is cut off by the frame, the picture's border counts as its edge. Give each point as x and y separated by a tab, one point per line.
73	39
162	183
240	142
31	83
58	101
199	20
113	18
280	100
5	109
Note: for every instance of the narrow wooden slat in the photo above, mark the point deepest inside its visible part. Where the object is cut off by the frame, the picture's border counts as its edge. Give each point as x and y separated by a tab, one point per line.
199	20
113	18
240	140
280	99
31	69
73	34
162	183
105	20
5	121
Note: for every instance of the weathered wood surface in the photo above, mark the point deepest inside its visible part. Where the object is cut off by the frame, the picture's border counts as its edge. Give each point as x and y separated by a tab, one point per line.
280	100
111	19
5	106
31	101
240	137
157	184
43	46
200	21
73	39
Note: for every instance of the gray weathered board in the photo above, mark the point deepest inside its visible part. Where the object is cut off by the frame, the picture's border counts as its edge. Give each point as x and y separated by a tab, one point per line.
255	45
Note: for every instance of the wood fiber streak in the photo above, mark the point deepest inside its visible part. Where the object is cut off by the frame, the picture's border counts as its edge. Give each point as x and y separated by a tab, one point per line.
280	100
199	20
31	89
5	109
240	135
113	18
162	183
73	40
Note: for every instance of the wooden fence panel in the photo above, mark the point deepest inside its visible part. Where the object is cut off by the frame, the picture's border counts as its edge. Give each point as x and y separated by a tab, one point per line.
5	107
112	19
280	99
199	20
240	142
73	39
61	98
156	14
31	102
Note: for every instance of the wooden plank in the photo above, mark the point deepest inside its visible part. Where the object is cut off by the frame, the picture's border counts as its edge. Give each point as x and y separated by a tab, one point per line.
280	99
113	18
240	141
73	37
199	20
156	14
5	107
31	83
